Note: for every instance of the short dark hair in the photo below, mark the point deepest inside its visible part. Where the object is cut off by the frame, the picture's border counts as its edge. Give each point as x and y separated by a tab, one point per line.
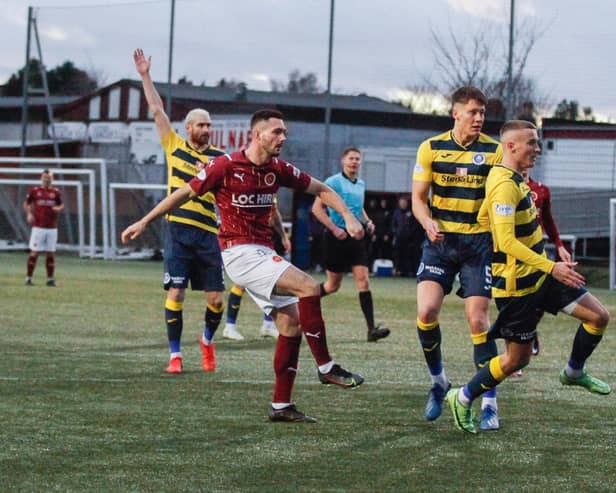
517	125
264	115
466	93
46	170
350	149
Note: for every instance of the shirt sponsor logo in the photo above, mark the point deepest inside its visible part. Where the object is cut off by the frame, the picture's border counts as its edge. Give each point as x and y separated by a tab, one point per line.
270	178
479	158
433	269
504	209
252	199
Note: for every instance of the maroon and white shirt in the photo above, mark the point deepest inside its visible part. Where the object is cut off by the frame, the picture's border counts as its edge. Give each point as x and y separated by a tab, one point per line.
541	196
245	195
44	198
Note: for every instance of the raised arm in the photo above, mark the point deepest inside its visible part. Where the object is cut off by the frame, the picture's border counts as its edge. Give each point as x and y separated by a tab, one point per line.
155	102
169	203
333	200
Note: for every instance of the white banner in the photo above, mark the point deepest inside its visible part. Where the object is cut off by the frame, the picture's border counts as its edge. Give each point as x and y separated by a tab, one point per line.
226	135
108	132
69	131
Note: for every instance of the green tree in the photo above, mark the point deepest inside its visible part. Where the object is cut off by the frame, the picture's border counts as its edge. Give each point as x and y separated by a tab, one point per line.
64	79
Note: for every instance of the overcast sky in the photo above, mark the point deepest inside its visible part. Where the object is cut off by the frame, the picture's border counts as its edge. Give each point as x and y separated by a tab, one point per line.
379	47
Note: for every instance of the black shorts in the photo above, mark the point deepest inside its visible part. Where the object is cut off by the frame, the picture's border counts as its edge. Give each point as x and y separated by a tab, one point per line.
341	255
467	254
193	254
518	316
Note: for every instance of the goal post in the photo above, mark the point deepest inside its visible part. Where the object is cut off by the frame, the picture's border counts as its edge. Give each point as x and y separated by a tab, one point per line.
80	166
80	209
133	209
91	183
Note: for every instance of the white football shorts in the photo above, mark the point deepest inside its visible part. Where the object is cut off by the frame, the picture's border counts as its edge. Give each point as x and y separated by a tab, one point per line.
257	268
43	239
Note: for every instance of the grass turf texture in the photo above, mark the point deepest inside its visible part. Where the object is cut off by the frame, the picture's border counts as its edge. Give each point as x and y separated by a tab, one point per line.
86	406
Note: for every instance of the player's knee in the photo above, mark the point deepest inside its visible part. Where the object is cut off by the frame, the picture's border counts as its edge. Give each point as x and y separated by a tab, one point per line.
215	300
175	294
427	314
601	318
515	362
288	325
332	286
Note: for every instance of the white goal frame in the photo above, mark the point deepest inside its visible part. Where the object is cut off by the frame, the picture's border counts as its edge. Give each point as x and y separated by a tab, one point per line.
92	194
100	164
80	209
113	249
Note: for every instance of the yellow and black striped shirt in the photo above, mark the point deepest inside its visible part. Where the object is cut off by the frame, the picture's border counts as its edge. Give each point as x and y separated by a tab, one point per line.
519	264
457	175
184	163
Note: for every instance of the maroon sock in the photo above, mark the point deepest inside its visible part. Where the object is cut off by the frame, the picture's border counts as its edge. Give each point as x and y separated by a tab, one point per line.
50	263
313	327
31	265
285	366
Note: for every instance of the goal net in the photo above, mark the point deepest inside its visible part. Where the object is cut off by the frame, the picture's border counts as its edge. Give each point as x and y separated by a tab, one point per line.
129	202
15	232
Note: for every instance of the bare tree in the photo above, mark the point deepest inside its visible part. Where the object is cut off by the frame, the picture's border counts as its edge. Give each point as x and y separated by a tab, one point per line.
298	83
480	59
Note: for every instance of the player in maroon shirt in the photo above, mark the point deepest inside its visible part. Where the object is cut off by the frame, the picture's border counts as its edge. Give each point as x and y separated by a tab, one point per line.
245	184
42	205
540	194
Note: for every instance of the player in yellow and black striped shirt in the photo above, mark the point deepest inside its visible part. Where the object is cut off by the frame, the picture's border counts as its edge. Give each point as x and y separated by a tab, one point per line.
525	280
192	251
453	167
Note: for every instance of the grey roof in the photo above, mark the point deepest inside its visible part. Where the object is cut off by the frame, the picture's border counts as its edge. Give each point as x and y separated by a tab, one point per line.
360	102
16	101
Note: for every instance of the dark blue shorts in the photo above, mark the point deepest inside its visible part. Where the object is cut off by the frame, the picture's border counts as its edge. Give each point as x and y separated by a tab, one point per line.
468	255
518	316
193	254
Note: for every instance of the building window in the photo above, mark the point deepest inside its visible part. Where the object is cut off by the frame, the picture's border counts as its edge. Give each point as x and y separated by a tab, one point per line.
134	98
95	108
114	104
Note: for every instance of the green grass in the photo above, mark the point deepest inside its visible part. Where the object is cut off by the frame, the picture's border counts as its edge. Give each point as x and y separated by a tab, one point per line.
85	405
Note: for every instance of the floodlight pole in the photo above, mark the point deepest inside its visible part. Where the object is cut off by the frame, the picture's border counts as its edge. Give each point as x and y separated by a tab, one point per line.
24	90
328	102
170	64
509	107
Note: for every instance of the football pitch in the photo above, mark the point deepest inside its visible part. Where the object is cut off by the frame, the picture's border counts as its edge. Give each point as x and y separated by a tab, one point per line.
85	404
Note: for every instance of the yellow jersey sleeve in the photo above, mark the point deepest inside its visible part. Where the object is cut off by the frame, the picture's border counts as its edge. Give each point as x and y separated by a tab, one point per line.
423	165
501	207
171	141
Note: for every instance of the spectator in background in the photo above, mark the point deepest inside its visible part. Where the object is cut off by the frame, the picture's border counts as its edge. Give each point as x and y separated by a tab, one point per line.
404	229
42	206
316	232
381	240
